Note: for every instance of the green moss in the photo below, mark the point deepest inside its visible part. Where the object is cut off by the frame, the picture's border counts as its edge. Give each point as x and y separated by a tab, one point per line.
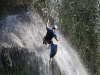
79	21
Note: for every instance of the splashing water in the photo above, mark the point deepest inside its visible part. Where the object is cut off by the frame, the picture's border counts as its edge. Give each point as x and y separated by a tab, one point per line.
27	30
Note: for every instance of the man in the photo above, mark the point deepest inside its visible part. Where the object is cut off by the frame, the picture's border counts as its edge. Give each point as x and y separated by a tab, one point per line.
50	34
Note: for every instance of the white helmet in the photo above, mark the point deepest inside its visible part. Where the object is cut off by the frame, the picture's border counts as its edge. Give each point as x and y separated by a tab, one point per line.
55	27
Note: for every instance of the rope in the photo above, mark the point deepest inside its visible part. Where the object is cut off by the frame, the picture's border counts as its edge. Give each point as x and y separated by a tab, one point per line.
47	10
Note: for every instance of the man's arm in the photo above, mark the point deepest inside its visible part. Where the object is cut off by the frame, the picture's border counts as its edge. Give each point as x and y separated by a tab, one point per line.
47	23
58	39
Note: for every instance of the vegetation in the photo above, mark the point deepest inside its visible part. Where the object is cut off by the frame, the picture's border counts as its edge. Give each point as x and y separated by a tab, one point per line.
79	20
8	7
79	23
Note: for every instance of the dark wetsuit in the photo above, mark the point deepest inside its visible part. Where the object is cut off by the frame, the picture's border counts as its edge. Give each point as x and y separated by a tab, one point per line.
50	34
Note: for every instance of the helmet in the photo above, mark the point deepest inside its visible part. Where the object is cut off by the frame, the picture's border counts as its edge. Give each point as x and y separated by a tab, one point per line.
55	27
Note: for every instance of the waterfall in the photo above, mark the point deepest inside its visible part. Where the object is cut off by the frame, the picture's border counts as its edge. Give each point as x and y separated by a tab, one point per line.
27	31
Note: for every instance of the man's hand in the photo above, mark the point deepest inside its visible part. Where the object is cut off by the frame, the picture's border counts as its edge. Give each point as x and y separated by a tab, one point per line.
47	23
58	39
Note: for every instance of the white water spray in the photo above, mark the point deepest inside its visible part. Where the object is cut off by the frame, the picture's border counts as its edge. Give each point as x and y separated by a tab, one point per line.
28	31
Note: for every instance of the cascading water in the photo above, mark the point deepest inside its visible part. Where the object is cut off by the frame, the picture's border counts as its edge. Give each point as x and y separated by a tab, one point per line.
27	31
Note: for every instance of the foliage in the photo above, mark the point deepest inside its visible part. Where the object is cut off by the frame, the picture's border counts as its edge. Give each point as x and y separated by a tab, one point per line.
81	21
8	7
78	21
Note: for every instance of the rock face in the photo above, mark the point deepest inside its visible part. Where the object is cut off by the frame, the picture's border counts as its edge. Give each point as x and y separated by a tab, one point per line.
14	59
22	51
18	61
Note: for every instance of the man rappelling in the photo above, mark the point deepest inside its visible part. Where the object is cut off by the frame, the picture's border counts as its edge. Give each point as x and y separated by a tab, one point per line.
48	39
50	34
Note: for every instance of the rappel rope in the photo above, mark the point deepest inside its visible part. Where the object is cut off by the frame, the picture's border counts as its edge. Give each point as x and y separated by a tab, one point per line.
47	10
